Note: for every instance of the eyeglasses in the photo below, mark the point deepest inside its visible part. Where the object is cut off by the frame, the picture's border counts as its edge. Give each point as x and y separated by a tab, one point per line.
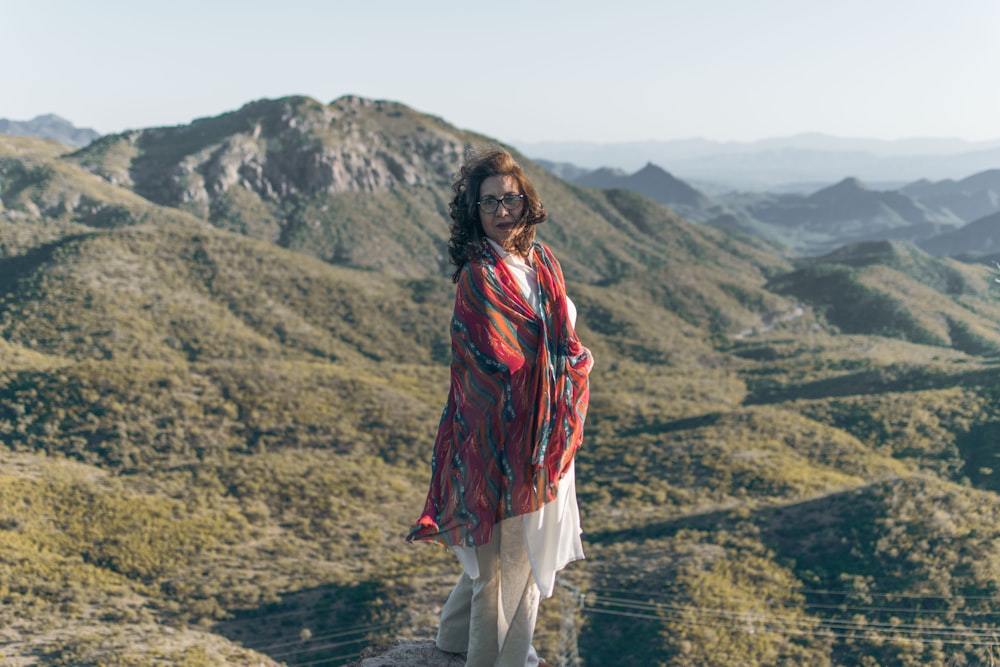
510	201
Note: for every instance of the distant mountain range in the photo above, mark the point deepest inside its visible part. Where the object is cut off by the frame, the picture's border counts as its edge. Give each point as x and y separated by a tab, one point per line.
818	222
881	190
800	163
49	126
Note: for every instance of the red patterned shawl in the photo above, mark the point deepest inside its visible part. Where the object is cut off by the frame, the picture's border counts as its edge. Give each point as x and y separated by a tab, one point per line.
516	407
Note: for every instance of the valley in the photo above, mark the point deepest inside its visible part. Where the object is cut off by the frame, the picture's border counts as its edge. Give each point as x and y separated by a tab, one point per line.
224	353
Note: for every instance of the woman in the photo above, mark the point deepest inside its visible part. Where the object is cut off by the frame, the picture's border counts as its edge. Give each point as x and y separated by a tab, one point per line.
503	490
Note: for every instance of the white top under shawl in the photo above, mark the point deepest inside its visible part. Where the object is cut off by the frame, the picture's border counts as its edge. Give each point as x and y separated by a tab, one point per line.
552	533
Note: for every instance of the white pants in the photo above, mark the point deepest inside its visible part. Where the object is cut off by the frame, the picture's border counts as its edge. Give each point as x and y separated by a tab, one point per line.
492	618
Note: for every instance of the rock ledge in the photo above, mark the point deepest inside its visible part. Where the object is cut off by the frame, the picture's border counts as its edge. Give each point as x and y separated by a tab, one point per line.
408	653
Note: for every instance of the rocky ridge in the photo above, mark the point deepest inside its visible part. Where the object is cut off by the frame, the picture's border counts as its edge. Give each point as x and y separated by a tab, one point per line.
279	148
330	180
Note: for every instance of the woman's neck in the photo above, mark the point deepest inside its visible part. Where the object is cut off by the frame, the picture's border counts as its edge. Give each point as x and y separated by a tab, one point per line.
511	251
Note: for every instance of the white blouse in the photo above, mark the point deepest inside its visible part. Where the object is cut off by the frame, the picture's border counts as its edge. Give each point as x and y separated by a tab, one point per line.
552	533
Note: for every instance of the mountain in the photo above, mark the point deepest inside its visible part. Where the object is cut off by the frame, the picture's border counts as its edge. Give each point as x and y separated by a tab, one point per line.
295	172
866	288
850	203
283	170
564	170
216	430
38	184
49	126
843	213
771	169
847	212
969	199
772	164
657	184
980	238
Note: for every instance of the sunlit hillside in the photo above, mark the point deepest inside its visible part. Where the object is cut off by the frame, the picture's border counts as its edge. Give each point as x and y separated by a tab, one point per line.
224	354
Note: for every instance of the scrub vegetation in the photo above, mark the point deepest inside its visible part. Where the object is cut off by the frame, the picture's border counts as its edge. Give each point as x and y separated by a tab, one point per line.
216	426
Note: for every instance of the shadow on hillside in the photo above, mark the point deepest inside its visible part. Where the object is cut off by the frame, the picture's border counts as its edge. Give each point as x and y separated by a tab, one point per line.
877	381
664	529
656	426
826	534
980	449
817	540
327	625
18	266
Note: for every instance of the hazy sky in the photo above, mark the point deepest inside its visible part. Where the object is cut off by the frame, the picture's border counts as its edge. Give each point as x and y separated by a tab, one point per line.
608	70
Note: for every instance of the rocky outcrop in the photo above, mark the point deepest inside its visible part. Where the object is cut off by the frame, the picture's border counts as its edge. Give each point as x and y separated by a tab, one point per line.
355	182
408	653
279	148
37	181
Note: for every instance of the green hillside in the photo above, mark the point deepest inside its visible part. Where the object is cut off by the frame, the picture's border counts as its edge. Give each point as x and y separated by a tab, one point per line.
217	408
897	290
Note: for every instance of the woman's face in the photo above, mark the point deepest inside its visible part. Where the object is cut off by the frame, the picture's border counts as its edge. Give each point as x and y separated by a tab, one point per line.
500	225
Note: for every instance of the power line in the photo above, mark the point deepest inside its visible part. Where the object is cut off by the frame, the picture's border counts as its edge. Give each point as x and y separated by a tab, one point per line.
990	639
808	591
258	615
632	608
667	607
661	607
357	629
845	608
317	649
900	610
901	596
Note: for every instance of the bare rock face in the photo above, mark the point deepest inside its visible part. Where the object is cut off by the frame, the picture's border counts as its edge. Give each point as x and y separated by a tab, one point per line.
282	148
356	182
408	653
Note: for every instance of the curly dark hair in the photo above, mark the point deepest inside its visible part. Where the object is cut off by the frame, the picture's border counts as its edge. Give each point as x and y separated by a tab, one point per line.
468	240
